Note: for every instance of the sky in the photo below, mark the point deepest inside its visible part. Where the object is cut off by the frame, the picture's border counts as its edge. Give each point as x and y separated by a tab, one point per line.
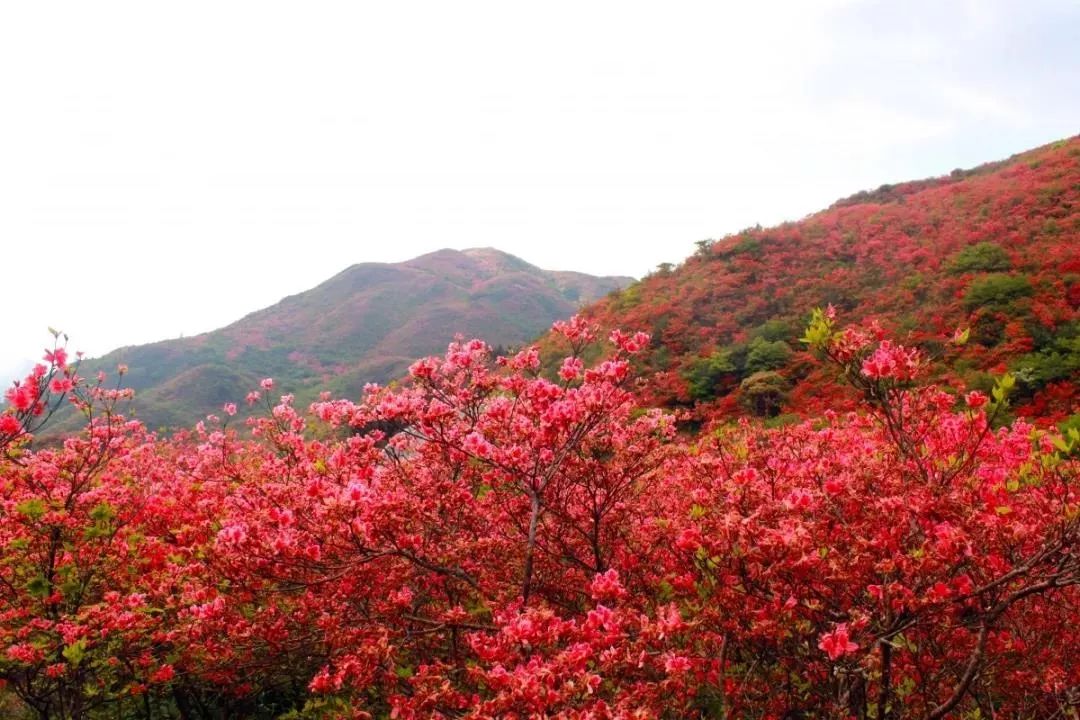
166	168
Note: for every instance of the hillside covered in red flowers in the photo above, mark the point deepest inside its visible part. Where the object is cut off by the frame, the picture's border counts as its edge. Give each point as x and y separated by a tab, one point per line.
994	250
525	534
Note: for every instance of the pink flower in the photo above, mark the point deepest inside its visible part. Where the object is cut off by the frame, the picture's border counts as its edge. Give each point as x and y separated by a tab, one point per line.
629	343
21	397
475	444
676	664
232	534
576	329
252	397
607	586
833	486
571	369
975	399
939	592
284	518
61	385
837	643
892	362
322	682
267	383
25	653
799	499
163	674
230	409
57	357
9	425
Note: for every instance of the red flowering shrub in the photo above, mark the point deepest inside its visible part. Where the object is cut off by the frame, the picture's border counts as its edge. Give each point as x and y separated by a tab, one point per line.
486	542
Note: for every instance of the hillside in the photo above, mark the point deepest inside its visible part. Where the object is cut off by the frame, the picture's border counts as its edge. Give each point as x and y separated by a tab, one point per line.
365	324
995	249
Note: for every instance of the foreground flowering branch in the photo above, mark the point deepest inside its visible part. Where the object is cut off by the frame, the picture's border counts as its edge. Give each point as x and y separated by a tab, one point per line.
493	540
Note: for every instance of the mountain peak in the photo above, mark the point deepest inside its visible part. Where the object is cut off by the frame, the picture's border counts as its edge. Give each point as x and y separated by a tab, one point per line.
365	324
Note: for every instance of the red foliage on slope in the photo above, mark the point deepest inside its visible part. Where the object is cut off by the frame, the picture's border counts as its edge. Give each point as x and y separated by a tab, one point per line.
996	250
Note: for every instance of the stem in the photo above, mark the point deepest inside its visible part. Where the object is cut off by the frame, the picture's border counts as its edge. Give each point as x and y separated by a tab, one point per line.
534	519
885	691
966	679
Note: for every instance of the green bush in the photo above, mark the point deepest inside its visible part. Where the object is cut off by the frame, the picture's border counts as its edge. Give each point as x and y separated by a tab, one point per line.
982	257
704	375
774	329
763	393
1058	360
997	290
765	355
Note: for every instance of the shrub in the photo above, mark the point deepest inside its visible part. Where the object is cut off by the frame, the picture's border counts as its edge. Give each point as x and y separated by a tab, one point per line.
997	291
981	257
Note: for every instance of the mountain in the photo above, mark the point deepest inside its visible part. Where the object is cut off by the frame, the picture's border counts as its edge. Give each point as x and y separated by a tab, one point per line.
365	324
995	249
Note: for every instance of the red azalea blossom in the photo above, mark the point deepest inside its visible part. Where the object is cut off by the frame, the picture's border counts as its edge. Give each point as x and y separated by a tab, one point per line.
836	643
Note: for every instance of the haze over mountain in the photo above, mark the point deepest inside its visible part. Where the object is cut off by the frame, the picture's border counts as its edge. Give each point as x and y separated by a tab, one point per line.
995	250
365	324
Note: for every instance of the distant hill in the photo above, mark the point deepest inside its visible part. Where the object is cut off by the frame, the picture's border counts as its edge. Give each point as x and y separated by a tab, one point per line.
995	249
365	324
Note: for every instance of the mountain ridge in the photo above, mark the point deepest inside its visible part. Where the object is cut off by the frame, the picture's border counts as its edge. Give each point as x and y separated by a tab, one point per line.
995	249
366	323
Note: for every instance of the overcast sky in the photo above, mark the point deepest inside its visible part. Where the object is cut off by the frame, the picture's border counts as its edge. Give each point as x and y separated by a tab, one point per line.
166	168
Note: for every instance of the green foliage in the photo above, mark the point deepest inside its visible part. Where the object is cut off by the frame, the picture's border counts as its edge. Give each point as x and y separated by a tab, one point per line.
626	298
38	587
102	514
1057	360
981	257
31	509
764	392
747	244
765	355
75	652
1002	388
704	374
820	330
774	329
783	420
1070	435
997	291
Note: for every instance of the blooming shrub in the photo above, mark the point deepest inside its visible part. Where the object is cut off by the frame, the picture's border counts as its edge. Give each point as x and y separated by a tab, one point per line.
490	541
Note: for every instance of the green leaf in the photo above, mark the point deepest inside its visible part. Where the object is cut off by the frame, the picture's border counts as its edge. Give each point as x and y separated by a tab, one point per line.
38	587
33	509
102	513
75	652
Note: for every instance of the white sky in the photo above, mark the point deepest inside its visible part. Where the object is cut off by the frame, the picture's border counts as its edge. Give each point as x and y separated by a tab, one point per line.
166	168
